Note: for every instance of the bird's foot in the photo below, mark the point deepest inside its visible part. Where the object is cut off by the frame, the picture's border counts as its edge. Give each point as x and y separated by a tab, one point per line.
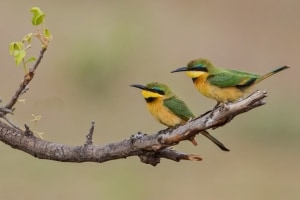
223	107
161	132
241	99
166	130
214	108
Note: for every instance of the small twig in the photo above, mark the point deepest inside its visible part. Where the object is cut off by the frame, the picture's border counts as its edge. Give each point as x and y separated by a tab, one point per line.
153	158
89	136
25	90
4	111
24	85
178	156
8	108
38	61
9	122
27	131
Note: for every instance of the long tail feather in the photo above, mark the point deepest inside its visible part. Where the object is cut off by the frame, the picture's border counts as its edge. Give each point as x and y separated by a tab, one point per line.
271	73
214	140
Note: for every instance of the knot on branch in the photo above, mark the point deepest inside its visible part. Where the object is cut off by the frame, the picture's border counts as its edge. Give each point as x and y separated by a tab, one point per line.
151	158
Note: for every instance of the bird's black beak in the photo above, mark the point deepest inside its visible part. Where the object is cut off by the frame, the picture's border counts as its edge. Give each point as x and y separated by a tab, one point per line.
181	69
142	87
193	68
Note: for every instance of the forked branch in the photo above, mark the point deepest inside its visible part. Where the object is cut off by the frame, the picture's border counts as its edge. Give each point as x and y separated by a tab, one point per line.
150	148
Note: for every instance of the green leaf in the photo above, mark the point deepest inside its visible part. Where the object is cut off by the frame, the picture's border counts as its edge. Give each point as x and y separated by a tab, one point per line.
39	20
19	56
11	48
27	38
38	16
15	46
31	59
47	33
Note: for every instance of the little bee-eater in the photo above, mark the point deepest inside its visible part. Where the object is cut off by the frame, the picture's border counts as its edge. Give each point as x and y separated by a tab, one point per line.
168	109
223	85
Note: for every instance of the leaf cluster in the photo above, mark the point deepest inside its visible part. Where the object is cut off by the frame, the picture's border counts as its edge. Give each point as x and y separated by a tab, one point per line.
19	49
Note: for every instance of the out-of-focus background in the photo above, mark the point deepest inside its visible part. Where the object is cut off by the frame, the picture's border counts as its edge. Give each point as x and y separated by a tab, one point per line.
99	48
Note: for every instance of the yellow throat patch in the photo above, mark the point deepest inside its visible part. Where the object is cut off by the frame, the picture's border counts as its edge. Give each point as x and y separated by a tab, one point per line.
195	74
148	94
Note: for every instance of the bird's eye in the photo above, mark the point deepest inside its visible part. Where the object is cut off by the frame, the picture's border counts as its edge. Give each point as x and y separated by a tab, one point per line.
161	92
199	66
158	90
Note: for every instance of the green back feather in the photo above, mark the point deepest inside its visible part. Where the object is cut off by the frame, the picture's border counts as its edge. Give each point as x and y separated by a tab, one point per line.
179	108
231	78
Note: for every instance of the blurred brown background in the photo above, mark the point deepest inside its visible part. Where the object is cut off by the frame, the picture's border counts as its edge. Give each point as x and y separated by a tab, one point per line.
101	47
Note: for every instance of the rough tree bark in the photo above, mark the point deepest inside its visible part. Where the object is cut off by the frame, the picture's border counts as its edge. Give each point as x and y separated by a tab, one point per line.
150	148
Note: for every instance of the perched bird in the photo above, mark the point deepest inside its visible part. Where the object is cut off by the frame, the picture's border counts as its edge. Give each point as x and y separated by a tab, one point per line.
223	85
168	109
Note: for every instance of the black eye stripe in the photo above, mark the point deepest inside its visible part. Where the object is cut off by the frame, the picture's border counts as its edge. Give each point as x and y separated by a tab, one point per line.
199	68
157	91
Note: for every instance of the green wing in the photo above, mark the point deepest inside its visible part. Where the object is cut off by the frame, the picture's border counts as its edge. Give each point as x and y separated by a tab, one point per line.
179	108
232	78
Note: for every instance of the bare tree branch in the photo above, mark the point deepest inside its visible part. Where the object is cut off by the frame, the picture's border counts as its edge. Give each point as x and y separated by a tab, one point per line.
150	148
